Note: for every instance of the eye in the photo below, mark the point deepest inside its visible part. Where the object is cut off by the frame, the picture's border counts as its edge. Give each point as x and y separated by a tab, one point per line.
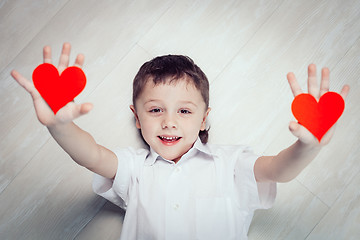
184	111
155	110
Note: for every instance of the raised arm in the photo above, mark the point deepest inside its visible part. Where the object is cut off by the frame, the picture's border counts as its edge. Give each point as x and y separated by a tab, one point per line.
291	161
79	144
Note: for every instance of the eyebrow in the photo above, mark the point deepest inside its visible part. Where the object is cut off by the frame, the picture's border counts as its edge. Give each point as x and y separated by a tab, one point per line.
152	100
189	102
182	102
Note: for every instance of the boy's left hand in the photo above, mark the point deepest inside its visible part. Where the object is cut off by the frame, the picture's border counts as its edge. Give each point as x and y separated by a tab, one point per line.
298	130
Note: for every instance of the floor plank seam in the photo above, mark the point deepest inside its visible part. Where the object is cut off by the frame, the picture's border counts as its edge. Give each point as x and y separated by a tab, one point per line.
34	37
307	236
31	159
146	51
82	228
244	45
346	52
312	193
106	75
150	28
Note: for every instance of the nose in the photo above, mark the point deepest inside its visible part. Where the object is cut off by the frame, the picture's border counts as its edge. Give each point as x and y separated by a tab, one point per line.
169	121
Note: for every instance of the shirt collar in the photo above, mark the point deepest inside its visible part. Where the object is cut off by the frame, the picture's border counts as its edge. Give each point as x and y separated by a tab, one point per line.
198	146
202	147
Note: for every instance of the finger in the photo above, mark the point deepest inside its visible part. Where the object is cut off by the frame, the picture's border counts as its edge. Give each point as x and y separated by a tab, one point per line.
64	57
79	61
47	54
312	82
294	85
72	111
301	132
313	88
26	84
85	108
81	109
325	83
345	91
295	129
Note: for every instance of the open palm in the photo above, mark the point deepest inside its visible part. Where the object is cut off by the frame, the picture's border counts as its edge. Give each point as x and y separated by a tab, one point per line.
44	113
313	88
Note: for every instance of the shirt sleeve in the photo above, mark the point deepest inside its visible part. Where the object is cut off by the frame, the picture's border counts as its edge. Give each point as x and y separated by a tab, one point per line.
258	195
117	190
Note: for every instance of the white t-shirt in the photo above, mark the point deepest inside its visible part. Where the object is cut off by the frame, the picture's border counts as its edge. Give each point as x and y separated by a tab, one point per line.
211	193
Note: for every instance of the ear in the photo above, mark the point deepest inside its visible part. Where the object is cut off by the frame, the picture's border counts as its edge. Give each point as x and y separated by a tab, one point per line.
203	124
132	107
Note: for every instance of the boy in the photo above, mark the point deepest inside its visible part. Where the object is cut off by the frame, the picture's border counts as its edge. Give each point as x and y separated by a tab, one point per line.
182	188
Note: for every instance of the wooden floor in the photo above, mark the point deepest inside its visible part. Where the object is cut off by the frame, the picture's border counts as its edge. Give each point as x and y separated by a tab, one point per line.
245	47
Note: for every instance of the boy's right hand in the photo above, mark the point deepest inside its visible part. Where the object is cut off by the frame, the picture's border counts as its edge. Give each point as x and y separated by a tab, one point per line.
44	113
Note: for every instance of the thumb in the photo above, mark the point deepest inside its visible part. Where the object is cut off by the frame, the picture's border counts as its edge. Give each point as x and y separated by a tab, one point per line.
295	129
302	133
72	111
85	108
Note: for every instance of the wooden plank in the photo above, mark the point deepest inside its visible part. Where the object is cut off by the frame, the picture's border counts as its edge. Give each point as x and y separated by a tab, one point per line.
294	215
20	21
106	225
51	198
343	219
210	32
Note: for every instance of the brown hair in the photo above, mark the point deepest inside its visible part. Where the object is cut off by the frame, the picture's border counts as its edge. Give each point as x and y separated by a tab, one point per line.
172	68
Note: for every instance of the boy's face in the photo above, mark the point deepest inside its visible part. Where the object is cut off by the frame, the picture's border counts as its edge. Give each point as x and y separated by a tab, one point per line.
170	117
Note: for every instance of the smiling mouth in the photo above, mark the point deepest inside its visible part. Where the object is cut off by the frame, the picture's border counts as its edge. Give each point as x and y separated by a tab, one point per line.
166	139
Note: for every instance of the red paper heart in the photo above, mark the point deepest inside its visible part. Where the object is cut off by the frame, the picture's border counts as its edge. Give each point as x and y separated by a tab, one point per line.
318	117
57	90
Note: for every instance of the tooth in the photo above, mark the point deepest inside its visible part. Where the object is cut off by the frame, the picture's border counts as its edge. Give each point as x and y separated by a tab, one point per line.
169	138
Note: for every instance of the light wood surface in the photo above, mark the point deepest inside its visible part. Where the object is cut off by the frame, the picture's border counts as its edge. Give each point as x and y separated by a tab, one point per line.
245	47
